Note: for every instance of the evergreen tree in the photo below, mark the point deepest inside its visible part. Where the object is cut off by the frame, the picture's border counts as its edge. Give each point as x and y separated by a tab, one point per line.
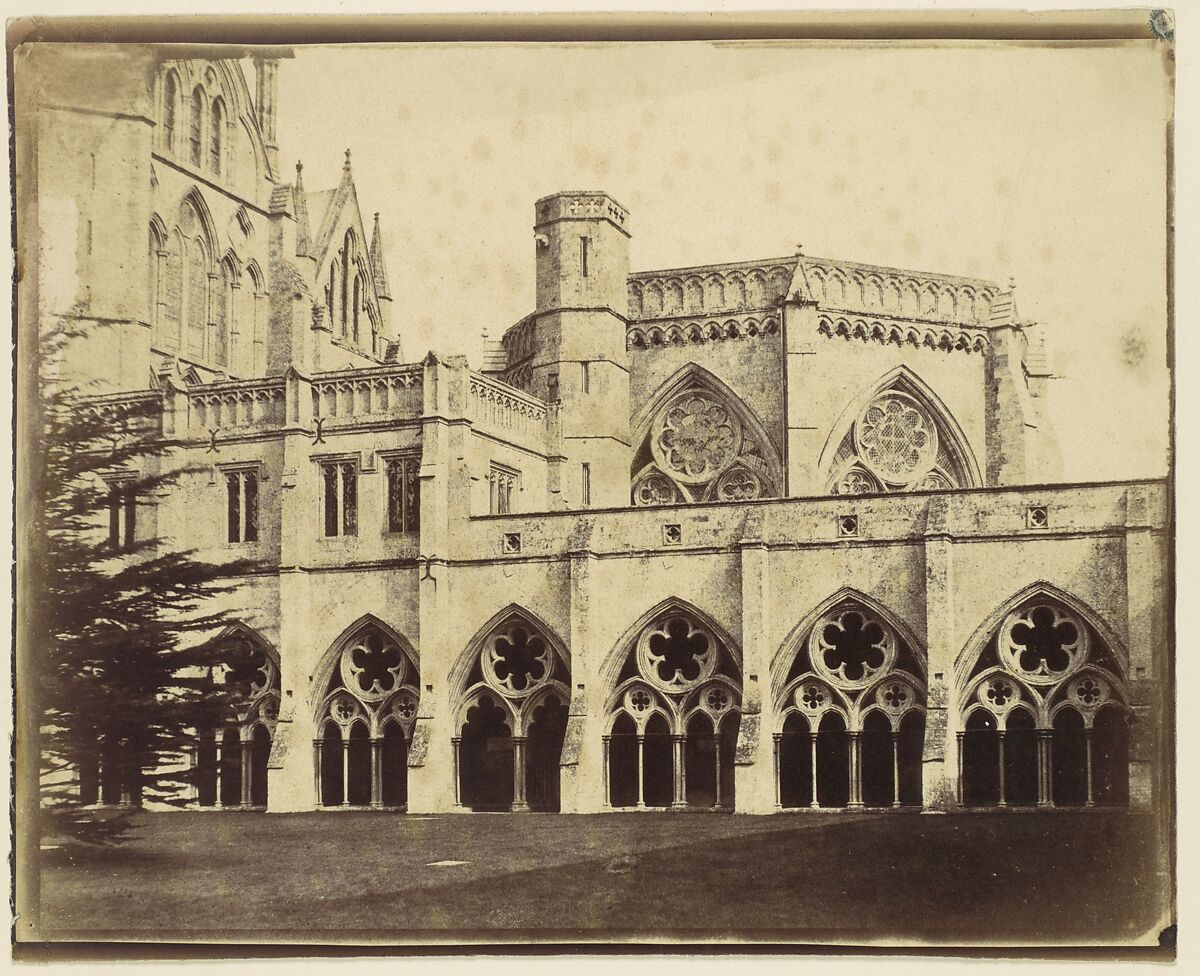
127	664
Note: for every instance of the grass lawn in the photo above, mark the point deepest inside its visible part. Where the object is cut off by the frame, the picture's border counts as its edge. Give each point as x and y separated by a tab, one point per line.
1049	877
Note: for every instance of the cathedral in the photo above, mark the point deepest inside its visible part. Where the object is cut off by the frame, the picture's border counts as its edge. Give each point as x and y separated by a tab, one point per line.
772	535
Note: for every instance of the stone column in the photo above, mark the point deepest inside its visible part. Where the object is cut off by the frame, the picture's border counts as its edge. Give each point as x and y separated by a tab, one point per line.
942	741
1090	800
717	750
1003	798
607	772
346	771
895	768
457	744
583	761
959	752
641	749
679	802
778	737
1044	740
317	770
813	804
753	789
519	804
377	773
220	772
246	772
855	769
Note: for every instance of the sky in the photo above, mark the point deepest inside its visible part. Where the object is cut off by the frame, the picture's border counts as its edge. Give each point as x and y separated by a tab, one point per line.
1043	164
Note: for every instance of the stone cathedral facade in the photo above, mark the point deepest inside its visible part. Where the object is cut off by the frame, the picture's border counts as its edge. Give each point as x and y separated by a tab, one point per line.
760	536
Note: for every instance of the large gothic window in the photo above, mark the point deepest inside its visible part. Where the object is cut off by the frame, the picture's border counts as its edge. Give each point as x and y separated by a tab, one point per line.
172	291
673	718
365	722
197	296
223	309
232	752
702	445
195	143
1044	714
512	720
216	136
170	110
899	442
852	716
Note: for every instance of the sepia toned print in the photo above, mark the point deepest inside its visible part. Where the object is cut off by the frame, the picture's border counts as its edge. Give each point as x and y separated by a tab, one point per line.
721	580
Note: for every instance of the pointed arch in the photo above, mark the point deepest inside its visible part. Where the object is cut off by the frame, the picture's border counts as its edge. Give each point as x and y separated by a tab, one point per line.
615	659
195	199
323	673
785	654
693	375
903	379
242	631
254	273
964	664
459	673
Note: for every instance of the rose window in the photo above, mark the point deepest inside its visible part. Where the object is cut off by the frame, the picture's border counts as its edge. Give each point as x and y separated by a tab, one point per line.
517	662
677	655
718	699
850	649
896	439
738	485
653	488
696	438
1043	644
372	666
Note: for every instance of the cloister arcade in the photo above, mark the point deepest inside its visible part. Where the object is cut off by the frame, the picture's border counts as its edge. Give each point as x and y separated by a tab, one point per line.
1040	710
672	719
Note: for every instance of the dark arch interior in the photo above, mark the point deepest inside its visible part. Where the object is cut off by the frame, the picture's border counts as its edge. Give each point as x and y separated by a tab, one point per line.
332	786
878	761
1069	759
981	760
260	753
547	730
700	762
360	765
623	762
658	763
394	766
833	762
231	768
1110	757
486	757
795	763
1020	759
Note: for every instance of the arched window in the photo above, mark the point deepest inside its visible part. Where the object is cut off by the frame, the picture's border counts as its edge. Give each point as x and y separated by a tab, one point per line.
1044	714
357	304
331	294
673	718
346	297
172	291
197	296
197	125
250	361
223	310
216	135
512	719
156	256
701	444
899	440
231	753
365	721
852	710
170	107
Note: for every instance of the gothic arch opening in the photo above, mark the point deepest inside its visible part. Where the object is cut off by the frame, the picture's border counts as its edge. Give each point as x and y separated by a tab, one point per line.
370	693
897	436
699	442
511	716
673	716
1045	719
851	709
232	748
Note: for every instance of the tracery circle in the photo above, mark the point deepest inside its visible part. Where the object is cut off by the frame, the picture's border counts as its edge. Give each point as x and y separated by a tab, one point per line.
676	654
1088	691
896	438
1043	643
895	696
344	709
653	488
856	481
717	699
695	437
372	666
517	661
998	694
638	700
739	484
811	697
405	707
850	649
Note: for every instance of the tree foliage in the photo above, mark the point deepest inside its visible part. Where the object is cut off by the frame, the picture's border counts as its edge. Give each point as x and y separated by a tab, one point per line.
128	664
